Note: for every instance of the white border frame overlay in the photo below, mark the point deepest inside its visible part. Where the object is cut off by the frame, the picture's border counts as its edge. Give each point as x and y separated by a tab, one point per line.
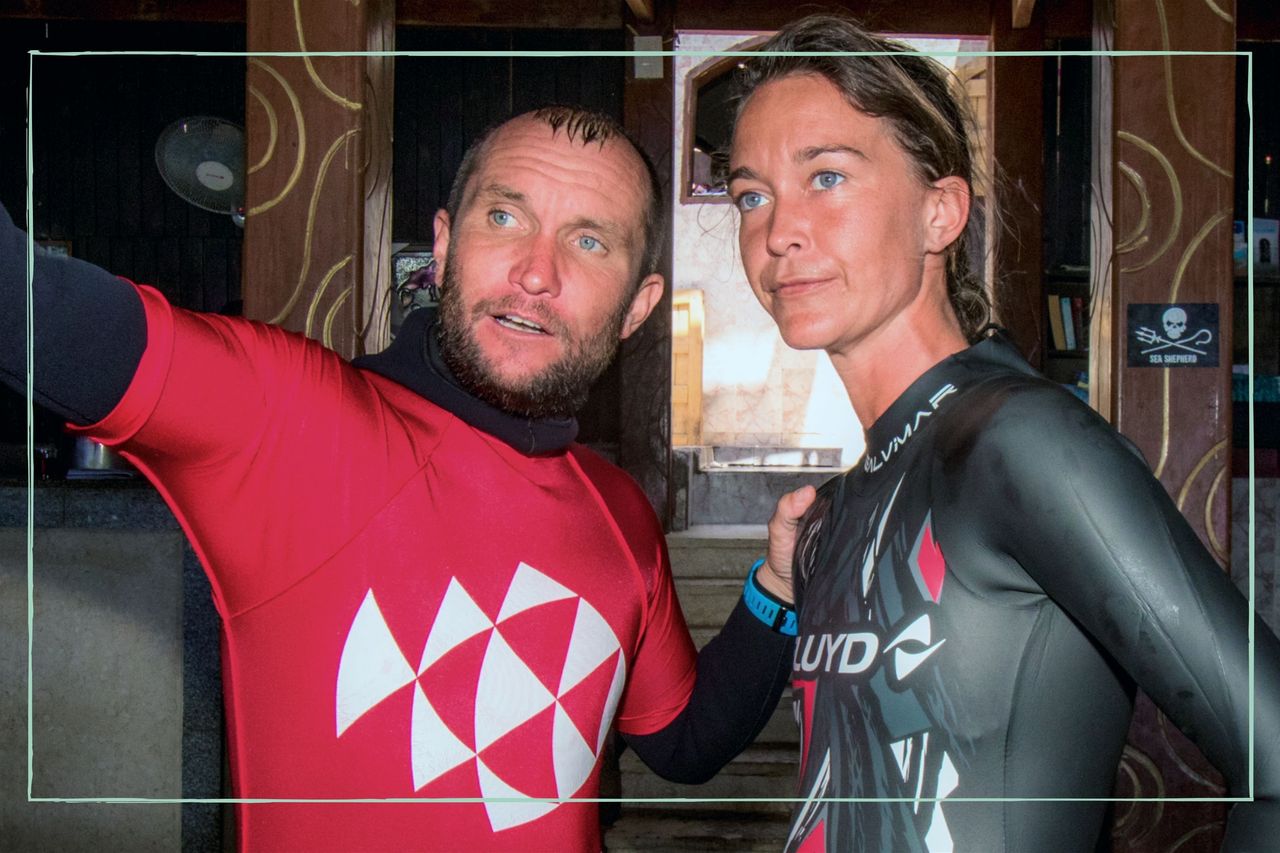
31	489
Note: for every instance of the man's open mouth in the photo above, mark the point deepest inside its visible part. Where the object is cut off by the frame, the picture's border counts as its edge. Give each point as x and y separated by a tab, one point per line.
520	324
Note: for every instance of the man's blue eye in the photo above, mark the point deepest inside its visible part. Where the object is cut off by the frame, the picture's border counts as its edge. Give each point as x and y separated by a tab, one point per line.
502	219
589	243
750	201
826	180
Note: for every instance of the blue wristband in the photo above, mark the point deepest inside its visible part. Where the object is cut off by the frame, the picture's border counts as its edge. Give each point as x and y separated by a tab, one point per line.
766	607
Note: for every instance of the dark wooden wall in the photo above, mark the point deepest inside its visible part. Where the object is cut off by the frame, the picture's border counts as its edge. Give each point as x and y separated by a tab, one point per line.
443	103
95	121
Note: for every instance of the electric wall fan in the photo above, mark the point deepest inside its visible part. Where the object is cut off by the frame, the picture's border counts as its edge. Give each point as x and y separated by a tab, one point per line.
201	158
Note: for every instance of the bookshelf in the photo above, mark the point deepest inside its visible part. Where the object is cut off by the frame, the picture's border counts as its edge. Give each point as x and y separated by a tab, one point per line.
1067	334
1066	251
1265	133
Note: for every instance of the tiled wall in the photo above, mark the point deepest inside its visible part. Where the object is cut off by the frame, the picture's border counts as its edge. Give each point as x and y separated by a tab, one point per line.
126	684
756	390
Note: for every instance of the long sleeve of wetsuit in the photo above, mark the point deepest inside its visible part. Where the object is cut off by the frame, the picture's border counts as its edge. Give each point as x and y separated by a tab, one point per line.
730	703
1053	487
81	370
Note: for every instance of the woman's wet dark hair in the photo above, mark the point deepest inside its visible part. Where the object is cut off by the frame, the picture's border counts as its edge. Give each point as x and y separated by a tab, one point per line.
920	99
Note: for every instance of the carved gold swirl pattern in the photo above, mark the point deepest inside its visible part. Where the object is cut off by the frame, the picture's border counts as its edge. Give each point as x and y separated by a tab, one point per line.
1219	551
302	140
1131	762
1195	472
319	294
1219	11
331	316
1200	237
1175	188
1186	490
311	71
309	231
273	129
1192	834
379	315
1139	236
1158	471
1171	101
1177	758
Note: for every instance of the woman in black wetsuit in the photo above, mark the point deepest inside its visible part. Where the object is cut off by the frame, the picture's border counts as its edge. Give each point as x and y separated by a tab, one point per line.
979	597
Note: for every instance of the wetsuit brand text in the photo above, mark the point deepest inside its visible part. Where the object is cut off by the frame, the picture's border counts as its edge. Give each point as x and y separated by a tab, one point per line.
847	654
874	461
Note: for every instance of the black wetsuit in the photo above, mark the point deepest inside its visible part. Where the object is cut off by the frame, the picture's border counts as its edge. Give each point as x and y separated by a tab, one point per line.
977	600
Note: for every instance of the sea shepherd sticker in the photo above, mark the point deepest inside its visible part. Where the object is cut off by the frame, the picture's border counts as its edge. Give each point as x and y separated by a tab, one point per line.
1181	335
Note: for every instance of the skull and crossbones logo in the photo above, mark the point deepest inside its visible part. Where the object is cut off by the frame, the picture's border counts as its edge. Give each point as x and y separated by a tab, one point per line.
1174	321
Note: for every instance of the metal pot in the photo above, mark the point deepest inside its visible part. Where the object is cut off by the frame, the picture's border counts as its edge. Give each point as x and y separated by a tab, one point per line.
90	455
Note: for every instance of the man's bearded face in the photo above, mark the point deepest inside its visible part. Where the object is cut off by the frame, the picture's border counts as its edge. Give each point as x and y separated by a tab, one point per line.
559	389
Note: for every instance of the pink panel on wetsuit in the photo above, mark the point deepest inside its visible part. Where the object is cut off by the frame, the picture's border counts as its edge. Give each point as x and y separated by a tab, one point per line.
930	563
816	842
806	690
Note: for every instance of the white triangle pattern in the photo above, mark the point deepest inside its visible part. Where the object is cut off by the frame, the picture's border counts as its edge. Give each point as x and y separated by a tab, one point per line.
506	815
574	757
372	666
458	620
592	643
611	704
508	694
434	749
528	589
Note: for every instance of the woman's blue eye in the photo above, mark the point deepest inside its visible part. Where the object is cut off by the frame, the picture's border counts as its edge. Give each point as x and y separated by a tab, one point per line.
502	219
826	180
750	201
589	243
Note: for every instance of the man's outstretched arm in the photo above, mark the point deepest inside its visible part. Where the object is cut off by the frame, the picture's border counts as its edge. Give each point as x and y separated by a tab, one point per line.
90	330
741	673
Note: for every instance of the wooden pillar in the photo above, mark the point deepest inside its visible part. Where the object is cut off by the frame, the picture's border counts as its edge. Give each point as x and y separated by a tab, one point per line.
644	447
1017	104
1173	149
318	215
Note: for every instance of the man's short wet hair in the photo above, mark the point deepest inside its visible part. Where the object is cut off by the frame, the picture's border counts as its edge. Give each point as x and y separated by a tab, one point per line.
923	103
585	127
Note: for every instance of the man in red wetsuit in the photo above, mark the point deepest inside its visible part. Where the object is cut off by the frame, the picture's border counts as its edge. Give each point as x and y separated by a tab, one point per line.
428	590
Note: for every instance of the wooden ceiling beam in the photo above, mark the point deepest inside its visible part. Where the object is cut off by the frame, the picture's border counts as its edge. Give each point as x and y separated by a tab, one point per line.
194	11
1022	10
642	9
552	14
919	17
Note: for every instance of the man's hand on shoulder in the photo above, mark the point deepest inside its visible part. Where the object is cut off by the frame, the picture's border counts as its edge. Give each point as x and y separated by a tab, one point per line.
784	527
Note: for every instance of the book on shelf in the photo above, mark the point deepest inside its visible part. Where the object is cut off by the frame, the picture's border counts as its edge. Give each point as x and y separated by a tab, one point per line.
1055	322
1239	248
1068	320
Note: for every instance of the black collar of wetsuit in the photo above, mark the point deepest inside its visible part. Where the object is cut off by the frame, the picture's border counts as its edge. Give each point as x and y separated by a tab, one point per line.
930	392
414	361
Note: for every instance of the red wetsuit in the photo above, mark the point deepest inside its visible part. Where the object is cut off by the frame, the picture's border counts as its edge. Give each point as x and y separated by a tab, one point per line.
412	608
